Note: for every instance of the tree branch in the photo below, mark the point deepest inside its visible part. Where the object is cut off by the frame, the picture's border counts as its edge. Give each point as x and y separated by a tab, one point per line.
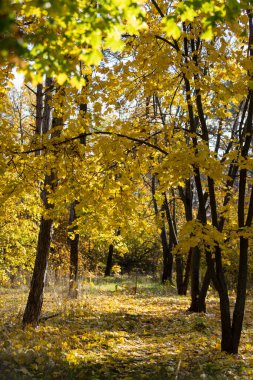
30	89
158	8
175	46
105	133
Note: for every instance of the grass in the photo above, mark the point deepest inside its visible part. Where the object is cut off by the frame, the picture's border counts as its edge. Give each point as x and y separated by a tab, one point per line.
111	332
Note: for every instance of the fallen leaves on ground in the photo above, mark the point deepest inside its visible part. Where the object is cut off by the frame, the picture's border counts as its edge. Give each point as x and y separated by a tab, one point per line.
114	335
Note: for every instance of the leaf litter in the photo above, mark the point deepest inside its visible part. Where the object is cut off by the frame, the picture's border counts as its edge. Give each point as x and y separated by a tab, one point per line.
115	335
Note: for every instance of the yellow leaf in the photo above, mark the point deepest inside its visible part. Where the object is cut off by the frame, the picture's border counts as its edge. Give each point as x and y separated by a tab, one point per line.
207	34
61	78
171	28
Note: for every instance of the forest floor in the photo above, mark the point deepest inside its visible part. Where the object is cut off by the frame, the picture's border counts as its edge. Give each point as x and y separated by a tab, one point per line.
112	333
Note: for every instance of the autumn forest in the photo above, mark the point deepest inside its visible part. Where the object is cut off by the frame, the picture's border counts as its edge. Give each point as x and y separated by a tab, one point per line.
126	189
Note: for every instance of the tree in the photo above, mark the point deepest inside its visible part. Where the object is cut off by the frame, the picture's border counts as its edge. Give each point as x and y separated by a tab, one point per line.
35	299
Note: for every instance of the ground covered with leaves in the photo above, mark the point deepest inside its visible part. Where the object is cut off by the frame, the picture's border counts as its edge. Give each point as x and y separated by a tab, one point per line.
111	332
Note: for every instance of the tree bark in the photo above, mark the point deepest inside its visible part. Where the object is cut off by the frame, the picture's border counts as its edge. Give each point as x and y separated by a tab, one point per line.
186	197
167	248
73	269
195	279
187	273
108	268
109	260
39	108
74	243
198	300
35	299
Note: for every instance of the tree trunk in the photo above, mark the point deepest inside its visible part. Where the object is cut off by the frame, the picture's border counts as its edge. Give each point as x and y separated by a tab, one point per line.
108	268
203	292
195	267
109	261
39	108
226	330
241	295
179	275
167	248
171	219
74	243
35	298
186	196
73	270
198	302
187	273
167	255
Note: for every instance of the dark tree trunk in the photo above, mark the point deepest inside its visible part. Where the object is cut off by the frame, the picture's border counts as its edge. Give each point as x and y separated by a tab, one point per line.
167	255
187	273
186	196
167	248
195	267
241	295
73	269
198	302
167	258
35	298
179	275
203	292
109	260
171	219
39	108
47	108
226	330
108	268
